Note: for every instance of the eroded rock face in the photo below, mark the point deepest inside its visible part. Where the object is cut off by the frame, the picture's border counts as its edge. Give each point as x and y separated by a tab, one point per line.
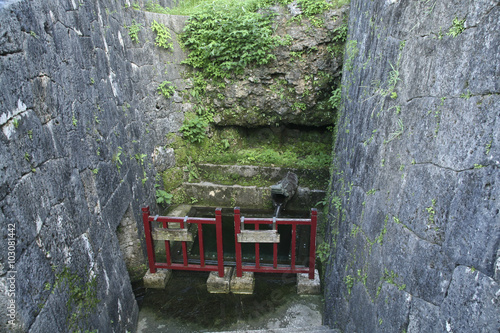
294	88
80	117
415	192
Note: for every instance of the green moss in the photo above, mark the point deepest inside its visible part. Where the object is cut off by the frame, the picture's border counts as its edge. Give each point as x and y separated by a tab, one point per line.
172	178
307	150
82	297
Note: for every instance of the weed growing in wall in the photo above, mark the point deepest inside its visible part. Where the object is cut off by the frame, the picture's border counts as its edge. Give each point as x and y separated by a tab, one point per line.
133	31
167	89
163	197
457	28
194	129
163	37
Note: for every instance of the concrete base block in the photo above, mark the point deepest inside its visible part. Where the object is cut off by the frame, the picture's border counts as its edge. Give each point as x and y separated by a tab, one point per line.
244	284
219	285
157	280
305	286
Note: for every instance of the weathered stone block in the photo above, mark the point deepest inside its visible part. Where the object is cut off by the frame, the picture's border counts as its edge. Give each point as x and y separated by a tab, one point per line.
306	286
219	285
157	280
258	236
242	285
179	235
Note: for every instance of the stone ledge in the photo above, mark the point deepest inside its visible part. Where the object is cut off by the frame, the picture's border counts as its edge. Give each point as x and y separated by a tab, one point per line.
242	285
219	285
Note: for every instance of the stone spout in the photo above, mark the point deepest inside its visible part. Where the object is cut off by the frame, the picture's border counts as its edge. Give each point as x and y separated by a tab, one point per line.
283	191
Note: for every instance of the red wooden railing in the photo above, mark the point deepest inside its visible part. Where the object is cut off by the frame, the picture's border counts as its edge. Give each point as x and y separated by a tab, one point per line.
275	268
183	221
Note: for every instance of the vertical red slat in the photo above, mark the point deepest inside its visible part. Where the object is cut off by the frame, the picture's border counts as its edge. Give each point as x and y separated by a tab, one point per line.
200	244
275	255
220	248
184	248
167	246
257	250
294	240
312	243
149	239
237	246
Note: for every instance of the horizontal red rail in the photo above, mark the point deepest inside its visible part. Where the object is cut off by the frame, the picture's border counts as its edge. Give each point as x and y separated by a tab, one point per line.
253	220
168	219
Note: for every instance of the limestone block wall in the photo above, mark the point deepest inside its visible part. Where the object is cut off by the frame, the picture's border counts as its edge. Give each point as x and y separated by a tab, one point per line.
414	224
80	117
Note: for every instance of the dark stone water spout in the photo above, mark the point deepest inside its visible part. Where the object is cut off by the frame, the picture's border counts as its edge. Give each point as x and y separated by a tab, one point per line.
283	191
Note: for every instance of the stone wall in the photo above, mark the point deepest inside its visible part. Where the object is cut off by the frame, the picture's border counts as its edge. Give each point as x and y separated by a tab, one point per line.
414	227
78	109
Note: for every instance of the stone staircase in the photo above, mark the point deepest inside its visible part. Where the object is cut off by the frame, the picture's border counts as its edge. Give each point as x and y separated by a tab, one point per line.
230	185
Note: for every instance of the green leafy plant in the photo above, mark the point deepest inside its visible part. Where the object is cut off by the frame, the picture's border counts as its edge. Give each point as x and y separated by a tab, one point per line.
166	89
163	37
163	197
191	170
431	211
116	159
140	158
194	129
323	252
222	38
467	95
133	31
457	28
336	98
349	282
396	133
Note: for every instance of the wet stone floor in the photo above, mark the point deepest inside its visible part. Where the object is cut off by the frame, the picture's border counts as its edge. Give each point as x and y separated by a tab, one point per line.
186	306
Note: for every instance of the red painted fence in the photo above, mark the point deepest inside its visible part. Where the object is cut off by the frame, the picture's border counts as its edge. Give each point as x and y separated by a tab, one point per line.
241	267
183	221
162	227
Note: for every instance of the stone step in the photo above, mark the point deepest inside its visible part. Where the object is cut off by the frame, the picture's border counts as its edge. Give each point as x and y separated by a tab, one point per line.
211	194
309	329
245	174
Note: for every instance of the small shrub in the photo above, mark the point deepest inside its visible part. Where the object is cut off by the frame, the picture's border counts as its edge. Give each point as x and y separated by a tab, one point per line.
163	37
194	129
457	28
335	98
166	89
163	197
133	31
